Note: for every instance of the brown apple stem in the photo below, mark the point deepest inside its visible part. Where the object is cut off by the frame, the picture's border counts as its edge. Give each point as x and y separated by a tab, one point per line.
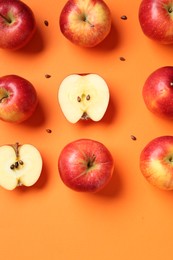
1	99
16	149
8	20
91	161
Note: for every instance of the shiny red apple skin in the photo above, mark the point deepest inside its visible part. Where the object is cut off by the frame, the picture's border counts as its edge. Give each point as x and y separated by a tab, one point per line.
156	20
74	28
18	99
75	168
21	27
158	92
156	162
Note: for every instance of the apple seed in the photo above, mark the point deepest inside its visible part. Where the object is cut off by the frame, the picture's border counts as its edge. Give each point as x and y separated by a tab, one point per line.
12	167
88	97
46	22
124	17
78	99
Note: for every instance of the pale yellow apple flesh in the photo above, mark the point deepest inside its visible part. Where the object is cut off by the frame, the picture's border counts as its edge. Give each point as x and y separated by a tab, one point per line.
19	165
83	96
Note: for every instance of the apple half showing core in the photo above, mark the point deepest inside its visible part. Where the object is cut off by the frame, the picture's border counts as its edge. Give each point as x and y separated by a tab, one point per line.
156	162
83	96
19	165
85	23
85	165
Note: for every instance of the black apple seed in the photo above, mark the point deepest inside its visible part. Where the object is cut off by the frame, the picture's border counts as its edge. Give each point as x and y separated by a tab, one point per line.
12	167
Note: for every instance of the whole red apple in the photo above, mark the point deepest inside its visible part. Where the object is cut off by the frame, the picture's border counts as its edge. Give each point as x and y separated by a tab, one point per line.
158	92
156	20
18	99
85	23
17	24
85	165
156	162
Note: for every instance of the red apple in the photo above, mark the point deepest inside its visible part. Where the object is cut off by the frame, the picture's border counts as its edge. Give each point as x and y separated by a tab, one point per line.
17	24
85	23
158	92
155	17
18	99
85	165
156	162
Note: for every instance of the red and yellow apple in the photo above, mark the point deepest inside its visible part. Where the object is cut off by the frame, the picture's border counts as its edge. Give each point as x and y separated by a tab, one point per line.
158	92
20	164
156	162
85	22
17	24
156	20
85	165
18	99
83	96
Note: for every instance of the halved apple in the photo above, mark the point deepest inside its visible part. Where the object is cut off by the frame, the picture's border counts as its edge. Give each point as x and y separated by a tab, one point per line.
83	96
19	165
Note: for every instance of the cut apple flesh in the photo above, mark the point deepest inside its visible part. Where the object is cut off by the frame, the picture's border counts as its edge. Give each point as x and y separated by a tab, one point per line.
83	96
19	167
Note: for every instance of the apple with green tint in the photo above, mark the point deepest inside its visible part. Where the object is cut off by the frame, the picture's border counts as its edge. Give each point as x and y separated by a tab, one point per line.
18	99
85	165
156	20
85	22
17	24
156	162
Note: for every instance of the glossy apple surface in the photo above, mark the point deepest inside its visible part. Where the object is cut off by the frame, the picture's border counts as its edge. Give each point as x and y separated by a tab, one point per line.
18	99
156	162
84	97
85	165
158	92
19	165
17	24
156	20
85	23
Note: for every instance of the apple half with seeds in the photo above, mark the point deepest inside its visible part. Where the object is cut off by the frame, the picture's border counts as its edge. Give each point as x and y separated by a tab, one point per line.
83	96
19	165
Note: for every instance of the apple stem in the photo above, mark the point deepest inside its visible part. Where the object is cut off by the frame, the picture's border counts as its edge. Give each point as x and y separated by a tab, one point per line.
91	161
8	20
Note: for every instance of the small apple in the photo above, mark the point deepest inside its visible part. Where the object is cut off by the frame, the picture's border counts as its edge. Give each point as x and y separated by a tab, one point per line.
85	165
19	165
18	99
156	162
158	92
17	24
85	22
155	18
83	96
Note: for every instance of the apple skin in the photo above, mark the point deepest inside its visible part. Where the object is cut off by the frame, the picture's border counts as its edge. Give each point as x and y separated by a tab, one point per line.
18	99
17	24
156	20
156	162
158	92
85	23
85	165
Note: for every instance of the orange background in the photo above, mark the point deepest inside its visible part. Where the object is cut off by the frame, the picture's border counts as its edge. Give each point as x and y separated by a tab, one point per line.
129	219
